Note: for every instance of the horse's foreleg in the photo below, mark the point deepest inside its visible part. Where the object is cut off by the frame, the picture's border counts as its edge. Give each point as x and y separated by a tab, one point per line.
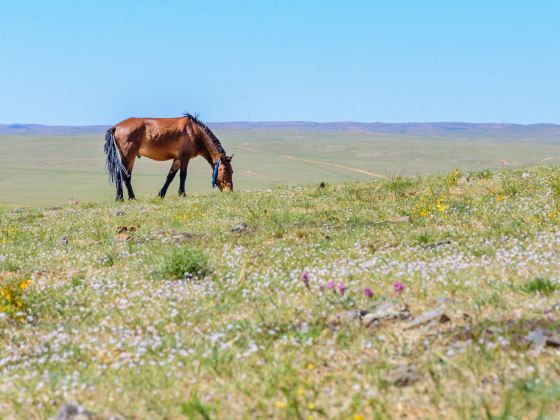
183	176
170	176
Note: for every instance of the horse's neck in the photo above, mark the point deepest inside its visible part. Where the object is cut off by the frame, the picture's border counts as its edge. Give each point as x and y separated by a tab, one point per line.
210	151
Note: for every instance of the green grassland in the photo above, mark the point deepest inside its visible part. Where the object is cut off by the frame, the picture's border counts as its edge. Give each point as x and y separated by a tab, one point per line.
47	170
195	307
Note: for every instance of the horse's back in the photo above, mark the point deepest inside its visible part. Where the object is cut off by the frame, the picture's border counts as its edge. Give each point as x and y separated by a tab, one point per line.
156	138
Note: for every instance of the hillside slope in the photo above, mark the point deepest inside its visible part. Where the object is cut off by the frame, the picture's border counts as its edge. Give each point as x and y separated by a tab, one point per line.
419	297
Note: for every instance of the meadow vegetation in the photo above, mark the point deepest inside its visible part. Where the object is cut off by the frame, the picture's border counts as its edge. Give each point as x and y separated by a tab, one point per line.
427	297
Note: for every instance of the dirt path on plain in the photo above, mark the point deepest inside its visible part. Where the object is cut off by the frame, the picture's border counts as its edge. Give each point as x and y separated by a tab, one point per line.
336	165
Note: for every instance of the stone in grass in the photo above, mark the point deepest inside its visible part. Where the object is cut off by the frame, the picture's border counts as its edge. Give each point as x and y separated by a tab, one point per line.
437	315
73	412
541	338
63	241
403	375
386	310
240	228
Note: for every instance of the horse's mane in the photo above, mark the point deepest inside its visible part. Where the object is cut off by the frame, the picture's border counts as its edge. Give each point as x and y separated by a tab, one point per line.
207	131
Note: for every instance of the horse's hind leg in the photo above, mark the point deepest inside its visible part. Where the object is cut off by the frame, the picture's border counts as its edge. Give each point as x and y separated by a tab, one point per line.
170	176
127	183
127	178
118	185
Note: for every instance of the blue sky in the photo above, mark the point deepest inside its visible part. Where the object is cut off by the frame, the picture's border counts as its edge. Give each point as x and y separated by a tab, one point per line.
69	62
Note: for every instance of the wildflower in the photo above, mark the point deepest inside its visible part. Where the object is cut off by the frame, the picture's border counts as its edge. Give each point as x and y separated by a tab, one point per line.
368	292
440	206
305	278
331	284
311	406
358	417
280	404
341	288
310	366
300	392
499	198
424	213
25	284
399	287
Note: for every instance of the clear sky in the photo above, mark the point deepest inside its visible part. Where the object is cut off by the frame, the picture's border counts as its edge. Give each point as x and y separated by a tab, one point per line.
97	62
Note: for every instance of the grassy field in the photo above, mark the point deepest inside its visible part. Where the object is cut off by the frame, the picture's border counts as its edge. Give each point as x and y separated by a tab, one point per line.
403	297
50	170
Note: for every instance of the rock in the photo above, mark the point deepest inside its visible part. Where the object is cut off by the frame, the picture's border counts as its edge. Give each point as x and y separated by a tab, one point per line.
118	213
404	375
63	241
73	202
240	228
429	316
386	310
73	412
541	338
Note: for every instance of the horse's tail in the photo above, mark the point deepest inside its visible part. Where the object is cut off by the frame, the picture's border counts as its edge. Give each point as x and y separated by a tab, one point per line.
113	162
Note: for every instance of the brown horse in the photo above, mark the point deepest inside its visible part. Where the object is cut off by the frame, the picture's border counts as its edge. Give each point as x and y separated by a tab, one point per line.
178	139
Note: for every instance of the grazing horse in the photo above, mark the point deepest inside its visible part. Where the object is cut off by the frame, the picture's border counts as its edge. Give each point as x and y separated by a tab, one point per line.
178	139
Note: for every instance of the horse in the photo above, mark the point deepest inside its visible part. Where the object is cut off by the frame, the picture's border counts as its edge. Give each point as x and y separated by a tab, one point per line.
179	139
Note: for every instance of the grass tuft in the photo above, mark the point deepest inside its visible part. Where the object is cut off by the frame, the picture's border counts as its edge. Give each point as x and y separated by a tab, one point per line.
185	262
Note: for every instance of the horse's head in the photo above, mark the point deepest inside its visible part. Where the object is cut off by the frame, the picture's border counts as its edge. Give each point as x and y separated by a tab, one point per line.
224	178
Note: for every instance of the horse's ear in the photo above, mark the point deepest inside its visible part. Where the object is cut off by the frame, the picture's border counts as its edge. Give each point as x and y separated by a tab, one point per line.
229	158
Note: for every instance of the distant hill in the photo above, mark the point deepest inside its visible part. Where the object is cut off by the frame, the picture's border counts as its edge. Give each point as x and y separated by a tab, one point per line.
541	132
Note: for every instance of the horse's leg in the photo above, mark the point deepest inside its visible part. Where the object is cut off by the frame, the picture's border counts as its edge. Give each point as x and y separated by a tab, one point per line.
118	185
127	183
127	178
183	176
170	176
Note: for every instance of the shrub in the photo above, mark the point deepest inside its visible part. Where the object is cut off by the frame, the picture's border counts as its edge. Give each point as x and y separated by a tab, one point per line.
184	262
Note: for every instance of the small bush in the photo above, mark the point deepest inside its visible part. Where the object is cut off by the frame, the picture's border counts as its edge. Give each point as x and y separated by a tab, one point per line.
540	285
184	262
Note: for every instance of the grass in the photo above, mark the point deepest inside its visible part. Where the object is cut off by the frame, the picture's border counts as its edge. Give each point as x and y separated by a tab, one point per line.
95	307
184	262
50	170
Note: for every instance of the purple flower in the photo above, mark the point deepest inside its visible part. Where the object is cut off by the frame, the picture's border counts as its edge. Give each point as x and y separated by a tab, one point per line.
305	278
399	287
368	292
331	284
341	288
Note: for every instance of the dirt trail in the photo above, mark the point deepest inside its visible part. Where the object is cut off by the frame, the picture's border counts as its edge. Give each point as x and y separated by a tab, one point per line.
335	165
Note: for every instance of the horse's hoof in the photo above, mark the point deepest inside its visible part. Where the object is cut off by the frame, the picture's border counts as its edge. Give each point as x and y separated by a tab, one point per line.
182	194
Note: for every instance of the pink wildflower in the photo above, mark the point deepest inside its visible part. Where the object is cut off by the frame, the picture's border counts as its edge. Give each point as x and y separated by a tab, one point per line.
305	278
368	292
331	284
399	287
341	288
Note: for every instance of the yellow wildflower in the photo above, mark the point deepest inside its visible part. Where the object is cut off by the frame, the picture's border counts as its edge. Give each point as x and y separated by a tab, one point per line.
311	406
25	284
300	392
310	366
440	206
358	417
424	213
280	404
499	198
